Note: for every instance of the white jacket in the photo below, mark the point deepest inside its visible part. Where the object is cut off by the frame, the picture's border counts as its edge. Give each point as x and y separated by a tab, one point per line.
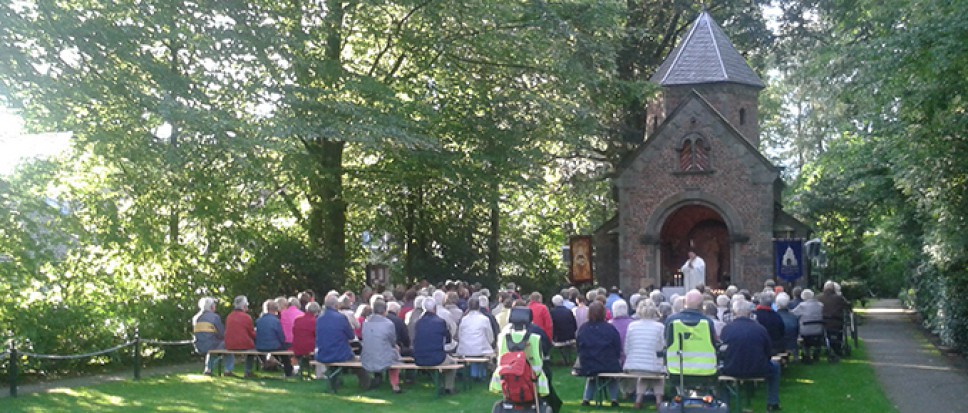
475	335
643	340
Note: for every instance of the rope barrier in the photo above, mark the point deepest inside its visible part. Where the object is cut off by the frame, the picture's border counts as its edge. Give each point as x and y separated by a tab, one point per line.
78	356
167	343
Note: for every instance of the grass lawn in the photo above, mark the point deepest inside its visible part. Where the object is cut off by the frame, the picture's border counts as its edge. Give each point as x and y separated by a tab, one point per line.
849	386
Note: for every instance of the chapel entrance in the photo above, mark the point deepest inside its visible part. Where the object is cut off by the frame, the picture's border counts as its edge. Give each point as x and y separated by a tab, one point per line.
702	229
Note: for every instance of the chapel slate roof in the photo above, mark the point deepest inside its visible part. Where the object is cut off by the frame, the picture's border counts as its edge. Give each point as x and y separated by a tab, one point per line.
705	55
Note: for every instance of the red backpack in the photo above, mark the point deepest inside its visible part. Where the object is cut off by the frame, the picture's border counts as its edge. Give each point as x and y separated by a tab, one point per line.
517	377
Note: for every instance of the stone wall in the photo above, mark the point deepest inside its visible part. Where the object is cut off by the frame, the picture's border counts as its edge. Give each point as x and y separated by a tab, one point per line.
739	186
729	99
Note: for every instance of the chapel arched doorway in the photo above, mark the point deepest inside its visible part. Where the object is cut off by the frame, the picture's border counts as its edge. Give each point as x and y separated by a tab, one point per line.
700	228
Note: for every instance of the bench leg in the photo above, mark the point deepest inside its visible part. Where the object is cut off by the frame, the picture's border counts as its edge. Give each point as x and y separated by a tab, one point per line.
564	352
601	389
437	383
732	396
332	376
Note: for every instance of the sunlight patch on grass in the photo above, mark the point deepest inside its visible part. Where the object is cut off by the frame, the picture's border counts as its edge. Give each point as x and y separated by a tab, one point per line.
195	378
804	381
363	399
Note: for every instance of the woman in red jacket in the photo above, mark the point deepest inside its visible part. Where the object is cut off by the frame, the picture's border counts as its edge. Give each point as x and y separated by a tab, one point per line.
304	331
240	332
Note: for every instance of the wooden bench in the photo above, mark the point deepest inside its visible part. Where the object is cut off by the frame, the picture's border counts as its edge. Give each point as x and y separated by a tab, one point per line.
246	353
331	371
467	361
564	347
734	388
602	379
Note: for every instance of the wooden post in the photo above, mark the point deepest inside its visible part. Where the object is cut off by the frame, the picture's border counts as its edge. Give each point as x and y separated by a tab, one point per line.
14	359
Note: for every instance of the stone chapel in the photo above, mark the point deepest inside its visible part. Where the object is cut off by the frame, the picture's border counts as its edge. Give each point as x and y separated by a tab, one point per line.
698	180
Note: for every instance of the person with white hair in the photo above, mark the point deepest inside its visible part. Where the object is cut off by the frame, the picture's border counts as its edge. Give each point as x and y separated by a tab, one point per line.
346	307
769	319
333	334
679	303
431	335
415	314
209	334
563	321
269	336
288	316
791	325
722	309
835	307
304	331
380	350
475	337
644	346
240	332
656	297
633	304
747	351
403	333
621	320
709	309
810	312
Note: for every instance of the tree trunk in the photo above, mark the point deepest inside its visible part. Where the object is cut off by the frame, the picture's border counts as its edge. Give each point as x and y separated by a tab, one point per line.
327	216
494	238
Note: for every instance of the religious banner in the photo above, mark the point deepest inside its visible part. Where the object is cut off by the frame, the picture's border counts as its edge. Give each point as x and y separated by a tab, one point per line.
377	275
581	260
788	258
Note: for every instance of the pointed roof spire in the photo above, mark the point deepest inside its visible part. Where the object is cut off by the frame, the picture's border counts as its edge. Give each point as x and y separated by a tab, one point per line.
705	55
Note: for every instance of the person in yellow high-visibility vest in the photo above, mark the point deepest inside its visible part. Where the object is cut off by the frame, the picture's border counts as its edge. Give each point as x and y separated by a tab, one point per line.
697	336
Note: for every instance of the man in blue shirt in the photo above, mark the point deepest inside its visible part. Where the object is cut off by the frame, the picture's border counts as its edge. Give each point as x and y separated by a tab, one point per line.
333	334
747	350
431	334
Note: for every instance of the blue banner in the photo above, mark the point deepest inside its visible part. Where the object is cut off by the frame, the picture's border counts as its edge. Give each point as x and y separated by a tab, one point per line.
788	258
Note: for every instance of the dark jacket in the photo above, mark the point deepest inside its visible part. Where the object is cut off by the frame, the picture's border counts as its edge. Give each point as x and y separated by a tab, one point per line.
833	311
791	329
599	348
268	333
333	335
494	325
431	333
403	334
748	349
770	320
563	323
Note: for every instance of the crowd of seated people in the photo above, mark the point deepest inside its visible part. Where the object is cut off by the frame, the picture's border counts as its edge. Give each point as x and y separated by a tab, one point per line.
739	331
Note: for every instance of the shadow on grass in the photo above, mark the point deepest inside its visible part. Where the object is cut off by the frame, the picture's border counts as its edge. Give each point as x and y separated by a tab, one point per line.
848	387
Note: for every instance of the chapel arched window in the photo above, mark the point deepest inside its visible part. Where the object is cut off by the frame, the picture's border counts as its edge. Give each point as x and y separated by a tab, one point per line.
694	154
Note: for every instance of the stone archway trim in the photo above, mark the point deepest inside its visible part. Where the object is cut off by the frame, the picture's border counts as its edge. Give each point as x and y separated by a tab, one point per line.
734	223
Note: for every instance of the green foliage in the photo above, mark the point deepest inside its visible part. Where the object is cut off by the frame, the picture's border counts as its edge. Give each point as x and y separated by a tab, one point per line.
244	147
889	194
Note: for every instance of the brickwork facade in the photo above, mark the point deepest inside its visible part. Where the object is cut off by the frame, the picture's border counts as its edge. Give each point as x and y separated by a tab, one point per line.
738	185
